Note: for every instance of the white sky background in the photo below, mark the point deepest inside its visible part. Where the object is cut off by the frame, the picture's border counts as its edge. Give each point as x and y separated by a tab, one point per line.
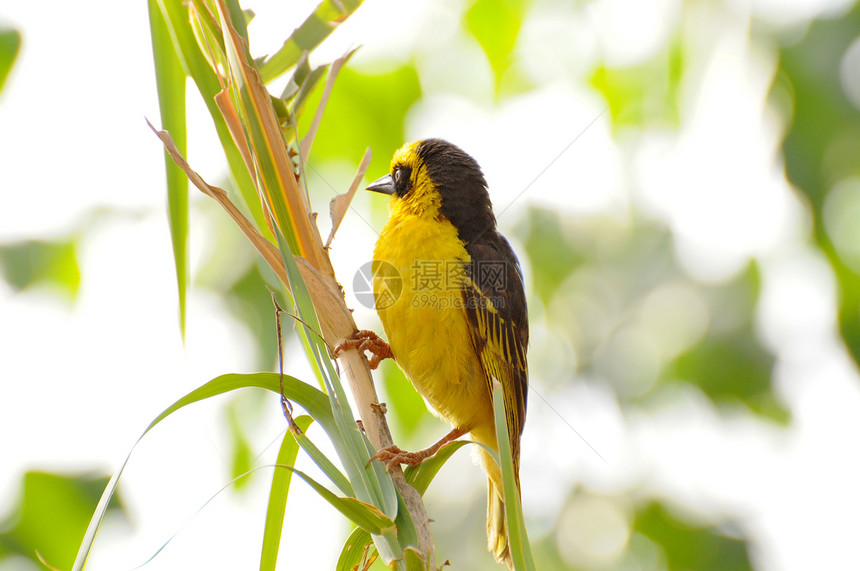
80	383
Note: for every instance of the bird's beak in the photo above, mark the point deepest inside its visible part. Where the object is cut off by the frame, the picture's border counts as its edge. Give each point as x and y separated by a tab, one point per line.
385	185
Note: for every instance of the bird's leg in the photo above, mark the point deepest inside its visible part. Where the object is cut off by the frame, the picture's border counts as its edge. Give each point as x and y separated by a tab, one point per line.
365	340
393	455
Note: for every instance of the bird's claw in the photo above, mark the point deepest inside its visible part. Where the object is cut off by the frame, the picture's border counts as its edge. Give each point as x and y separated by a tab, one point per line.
365	340
393	456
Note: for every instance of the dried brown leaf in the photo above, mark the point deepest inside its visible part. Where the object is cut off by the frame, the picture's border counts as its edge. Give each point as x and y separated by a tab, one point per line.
339	204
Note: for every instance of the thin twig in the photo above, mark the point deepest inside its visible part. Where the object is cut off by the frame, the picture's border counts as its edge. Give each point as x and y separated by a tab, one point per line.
286	405
308	141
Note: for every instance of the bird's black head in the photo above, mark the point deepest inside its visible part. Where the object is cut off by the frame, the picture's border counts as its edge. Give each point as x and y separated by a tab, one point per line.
435	177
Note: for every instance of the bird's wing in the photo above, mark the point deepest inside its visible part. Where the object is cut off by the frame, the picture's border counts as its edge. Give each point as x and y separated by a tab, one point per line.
495	303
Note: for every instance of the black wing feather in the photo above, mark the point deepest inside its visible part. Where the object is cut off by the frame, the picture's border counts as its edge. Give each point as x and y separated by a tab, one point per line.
496	307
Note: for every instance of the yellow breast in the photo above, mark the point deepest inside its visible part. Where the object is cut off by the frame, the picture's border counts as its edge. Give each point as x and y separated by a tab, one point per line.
426	324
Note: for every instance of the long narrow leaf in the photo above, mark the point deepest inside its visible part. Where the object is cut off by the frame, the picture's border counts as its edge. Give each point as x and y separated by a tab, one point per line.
170	79
316	28
337	397
311	399
371	486
278	497
298	102
336	476
364	515
352	448
196	65
407	534
518	540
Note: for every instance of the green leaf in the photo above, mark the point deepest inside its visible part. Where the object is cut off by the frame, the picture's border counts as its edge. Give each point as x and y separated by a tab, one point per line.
35	262
353	550
35	526
364	515
176	17
348	441
170	79
317	27
414	560
324	464
518	540
311	399
278	497
407	534
10	45
303	68
371	485
307	87
744	368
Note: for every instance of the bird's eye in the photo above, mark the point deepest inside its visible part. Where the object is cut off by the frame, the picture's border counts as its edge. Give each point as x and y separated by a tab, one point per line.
401	176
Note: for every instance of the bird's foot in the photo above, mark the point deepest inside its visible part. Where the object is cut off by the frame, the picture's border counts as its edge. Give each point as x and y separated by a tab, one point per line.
365	340
392	455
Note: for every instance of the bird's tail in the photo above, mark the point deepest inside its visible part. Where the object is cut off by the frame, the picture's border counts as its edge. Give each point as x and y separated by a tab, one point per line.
497	528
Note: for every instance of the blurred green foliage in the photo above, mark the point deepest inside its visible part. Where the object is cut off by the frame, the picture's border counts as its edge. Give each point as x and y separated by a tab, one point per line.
10	44
822	145
42	262
646	93
51	516
241	453
687	546
657	539
550	265
495	25
634	318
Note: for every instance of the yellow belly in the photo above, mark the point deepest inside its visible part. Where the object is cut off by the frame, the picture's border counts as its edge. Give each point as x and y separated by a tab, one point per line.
426	324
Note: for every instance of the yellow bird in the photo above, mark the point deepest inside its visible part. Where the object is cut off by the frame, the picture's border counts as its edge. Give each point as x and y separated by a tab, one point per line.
460	319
